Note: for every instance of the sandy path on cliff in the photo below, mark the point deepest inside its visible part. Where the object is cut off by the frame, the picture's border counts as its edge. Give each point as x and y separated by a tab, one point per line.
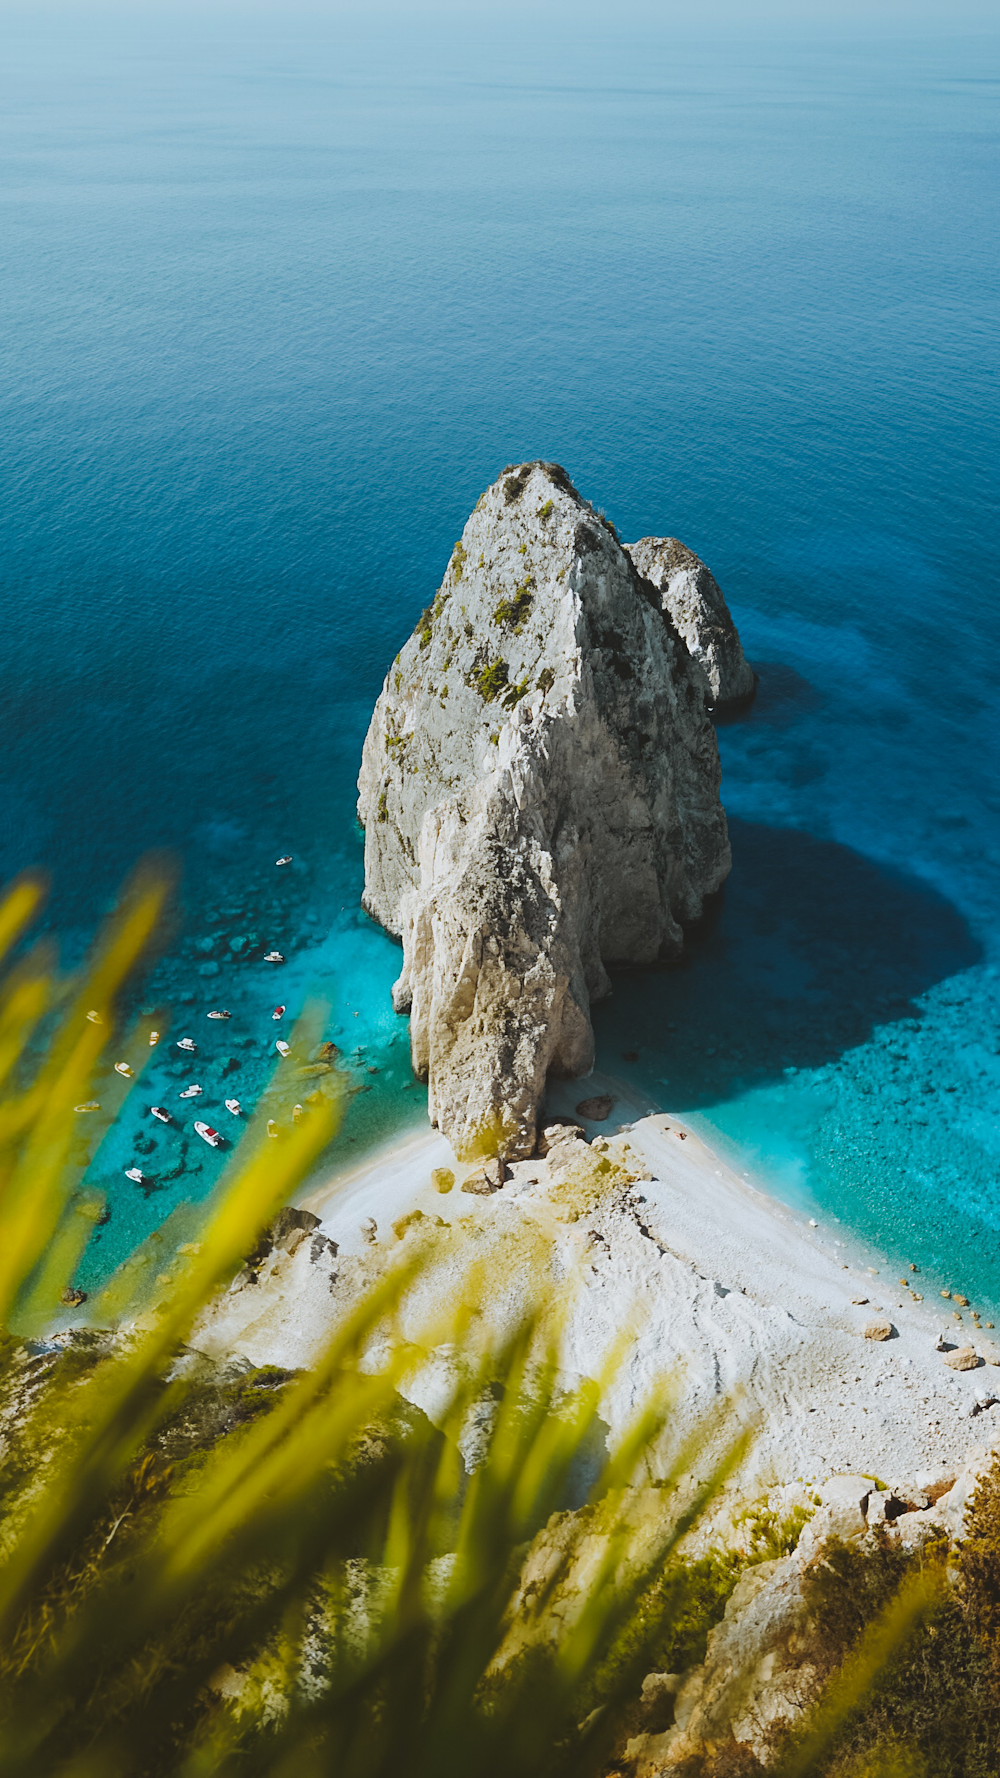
729	1292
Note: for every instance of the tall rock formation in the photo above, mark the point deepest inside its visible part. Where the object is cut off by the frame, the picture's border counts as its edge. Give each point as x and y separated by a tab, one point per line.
540	796
691	596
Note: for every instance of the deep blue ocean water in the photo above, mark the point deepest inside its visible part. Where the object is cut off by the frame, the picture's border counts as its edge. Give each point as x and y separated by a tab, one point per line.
280	300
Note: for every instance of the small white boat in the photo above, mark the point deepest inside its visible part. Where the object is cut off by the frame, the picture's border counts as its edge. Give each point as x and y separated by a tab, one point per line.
160	1112
123	1068
95	1018
272	1128
90	1105
154	1038
283	1049
234	1106
134	1173
209	1135
296	1113
273	957
185	1043
278	1013
219	1015
190	1092
286	860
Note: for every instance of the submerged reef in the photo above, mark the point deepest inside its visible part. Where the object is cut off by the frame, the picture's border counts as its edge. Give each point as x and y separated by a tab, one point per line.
540	797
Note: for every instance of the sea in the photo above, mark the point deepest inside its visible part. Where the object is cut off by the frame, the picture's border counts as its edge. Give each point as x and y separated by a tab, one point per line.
282	294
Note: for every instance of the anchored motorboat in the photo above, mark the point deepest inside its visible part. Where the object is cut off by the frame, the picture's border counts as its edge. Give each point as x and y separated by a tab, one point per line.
90	1105
286	860
134	1173
272	1128
283	1049
234	1106
154	1038
160	1112
95	1018
209	1135
219	1015
278	1013
273	957
185	1043
190	1092
296	1113
123	1068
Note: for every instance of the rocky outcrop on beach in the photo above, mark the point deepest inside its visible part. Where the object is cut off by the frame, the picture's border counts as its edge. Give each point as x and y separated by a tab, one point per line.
772	1654
691	597
540	798
767	1662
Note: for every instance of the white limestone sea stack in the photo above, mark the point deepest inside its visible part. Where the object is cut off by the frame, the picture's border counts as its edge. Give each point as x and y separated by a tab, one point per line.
691	596
540	797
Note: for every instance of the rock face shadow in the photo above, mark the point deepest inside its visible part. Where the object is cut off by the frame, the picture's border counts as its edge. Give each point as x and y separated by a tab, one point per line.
781	697
808	948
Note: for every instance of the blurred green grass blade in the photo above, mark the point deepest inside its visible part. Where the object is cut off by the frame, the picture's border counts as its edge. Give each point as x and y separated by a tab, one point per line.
40	1300
21	901
249	1485
36	1189
27	997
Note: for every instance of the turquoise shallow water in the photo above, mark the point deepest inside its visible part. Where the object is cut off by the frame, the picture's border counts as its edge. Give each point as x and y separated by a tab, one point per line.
281	302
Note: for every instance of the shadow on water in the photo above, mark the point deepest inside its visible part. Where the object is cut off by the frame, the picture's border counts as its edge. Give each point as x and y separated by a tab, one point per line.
807	948
781	697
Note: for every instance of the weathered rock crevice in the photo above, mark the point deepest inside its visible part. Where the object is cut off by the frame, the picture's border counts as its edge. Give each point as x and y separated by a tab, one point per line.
540	797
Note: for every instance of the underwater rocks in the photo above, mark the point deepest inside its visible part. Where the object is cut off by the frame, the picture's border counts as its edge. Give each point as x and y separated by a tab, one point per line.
597	1110
691	596
540	797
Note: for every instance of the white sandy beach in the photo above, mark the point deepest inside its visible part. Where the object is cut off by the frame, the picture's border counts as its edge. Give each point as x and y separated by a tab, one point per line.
731	1292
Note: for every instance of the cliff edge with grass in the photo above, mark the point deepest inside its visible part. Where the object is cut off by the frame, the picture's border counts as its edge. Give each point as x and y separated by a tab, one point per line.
540	797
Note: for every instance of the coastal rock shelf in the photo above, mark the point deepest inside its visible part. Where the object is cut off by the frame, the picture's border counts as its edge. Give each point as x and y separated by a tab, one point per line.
540	797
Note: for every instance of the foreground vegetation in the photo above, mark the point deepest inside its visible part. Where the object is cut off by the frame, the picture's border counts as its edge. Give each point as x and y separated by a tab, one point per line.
934	1709
208	1571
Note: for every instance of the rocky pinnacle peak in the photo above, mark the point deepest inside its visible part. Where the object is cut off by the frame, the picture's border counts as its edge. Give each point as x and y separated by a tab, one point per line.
540	796
692	599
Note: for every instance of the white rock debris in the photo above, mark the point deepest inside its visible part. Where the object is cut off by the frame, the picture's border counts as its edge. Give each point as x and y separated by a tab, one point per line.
540	797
